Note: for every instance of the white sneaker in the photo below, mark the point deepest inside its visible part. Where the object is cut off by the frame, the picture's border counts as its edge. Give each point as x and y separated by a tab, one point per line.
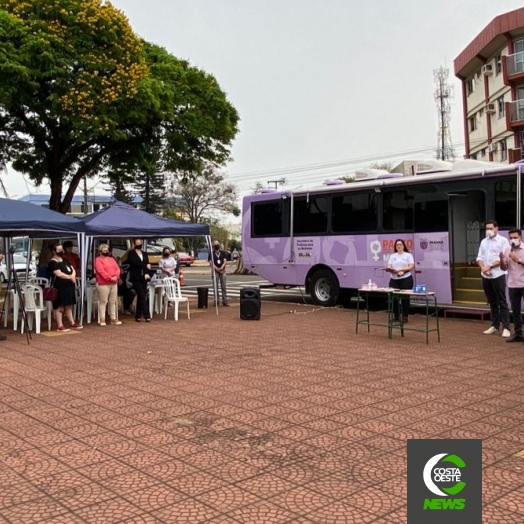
491	330
506	333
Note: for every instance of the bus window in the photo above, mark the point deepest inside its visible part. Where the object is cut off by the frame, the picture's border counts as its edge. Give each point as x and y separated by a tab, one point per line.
431	216
506	203
397	211
310	215
268	218
352	212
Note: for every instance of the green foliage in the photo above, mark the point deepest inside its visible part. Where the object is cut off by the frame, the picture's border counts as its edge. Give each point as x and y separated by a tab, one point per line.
386	166
82	95
219	233
347	179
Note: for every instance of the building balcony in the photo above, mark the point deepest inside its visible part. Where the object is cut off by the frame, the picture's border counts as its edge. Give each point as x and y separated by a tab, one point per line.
515	114
513	68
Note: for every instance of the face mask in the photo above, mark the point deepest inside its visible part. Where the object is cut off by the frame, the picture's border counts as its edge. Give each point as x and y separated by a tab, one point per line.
490	233
105	253
217	248
166	254
515	242
138	246
59	253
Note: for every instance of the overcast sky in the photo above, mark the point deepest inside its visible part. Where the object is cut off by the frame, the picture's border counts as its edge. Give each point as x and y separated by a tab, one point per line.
316	82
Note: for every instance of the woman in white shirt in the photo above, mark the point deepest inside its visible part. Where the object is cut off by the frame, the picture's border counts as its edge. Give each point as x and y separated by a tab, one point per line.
167	263
400	265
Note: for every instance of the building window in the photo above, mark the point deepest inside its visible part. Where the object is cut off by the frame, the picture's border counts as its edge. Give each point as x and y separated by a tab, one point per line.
498	64
473	156
503	150
470	86
483	152
473	123
500	106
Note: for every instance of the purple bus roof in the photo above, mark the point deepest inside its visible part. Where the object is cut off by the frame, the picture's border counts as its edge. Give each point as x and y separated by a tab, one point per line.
393	180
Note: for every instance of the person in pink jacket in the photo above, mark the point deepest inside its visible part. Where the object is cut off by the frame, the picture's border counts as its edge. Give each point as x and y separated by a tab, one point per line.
107	275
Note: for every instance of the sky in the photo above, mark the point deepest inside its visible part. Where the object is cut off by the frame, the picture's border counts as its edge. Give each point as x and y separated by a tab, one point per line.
322	87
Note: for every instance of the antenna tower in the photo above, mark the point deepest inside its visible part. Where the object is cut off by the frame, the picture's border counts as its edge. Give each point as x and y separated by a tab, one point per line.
443	94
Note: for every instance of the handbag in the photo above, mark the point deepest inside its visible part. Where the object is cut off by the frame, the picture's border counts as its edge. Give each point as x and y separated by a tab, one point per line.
50	294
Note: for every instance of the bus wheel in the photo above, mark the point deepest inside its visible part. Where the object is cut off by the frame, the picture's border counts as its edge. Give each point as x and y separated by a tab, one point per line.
324	288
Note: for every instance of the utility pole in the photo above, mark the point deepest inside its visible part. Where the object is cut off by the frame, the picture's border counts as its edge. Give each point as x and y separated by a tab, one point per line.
85	195
443	94
277	183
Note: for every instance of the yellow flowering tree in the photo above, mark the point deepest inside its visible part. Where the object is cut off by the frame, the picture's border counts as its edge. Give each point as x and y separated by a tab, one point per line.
82	95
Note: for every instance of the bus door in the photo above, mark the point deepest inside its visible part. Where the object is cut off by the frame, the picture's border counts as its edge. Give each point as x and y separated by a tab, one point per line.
467	211
431	244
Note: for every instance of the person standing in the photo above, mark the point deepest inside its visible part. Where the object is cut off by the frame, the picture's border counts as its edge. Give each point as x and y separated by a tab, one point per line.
71	257
107	275
63	280
217	260
400	265
512	260
167	263
139	276
494	278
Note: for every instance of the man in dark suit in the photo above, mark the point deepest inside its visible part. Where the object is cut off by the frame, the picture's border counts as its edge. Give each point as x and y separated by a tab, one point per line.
218	260
139	267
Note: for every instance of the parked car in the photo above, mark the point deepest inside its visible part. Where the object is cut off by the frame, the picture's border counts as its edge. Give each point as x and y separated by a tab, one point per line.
185	259
20	264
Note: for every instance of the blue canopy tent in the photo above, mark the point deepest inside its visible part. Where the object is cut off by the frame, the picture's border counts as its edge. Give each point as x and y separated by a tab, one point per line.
19	218
123	220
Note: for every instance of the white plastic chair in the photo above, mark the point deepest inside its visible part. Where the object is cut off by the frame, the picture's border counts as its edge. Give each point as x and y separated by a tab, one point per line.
38	281
34	306
41	281
174	295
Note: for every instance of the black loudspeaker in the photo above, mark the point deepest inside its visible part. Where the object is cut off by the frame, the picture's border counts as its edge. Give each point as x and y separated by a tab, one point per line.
250	303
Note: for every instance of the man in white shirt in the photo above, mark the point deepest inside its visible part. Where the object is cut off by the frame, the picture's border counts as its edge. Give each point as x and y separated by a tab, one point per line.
494	278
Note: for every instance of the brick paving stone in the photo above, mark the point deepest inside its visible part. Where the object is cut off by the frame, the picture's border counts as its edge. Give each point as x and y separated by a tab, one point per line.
302	423
109	511
188	511
265	511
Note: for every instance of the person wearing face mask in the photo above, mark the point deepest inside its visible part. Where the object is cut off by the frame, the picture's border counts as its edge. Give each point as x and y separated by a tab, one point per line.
107	274
167	263
71	257
139	267
512	260
63	280
494	278
218	261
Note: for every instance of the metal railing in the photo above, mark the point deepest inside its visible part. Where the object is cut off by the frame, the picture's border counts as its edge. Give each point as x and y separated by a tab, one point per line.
515	63
516	111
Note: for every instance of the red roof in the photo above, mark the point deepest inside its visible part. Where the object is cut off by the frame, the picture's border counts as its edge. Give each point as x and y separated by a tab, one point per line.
498	26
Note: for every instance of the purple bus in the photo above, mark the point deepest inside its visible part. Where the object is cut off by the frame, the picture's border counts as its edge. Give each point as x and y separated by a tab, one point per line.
340	236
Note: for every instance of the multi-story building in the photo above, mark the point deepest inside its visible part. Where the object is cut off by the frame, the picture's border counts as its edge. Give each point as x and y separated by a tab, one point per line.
491	70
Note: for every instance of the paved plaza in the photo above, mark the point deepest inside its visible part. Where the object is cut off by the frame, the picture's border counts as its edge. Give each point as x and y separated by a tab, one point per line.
292	419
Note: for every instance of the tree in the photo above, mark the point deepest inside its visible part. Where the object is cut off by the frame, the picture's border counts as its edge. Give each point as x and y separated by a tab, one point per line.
347	179
80	94
202	193
386	166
